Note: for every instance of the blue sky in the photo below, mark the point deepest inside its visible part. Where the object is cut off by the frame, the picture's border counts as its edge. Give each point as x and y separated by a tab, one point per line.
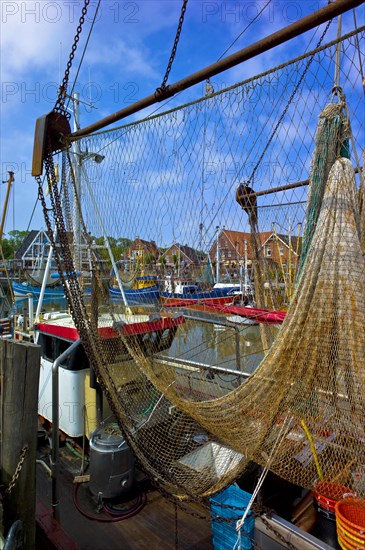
125	61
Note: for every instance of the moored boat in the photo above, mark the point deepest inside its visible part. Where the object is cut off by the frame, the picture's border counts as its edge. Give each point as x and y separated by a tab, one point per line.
137	296
298	415
56	332
22	291
184	293
254	314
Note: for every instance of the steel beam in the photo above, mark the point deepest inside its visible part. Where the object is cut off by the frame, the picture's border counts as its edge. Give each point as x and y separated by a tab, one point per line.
295	29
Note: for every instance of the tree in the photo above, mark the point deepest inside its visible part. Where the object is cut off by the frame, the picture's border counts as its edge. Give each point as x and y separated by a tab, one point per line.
118	246
162	262
123	244
13	242
149	259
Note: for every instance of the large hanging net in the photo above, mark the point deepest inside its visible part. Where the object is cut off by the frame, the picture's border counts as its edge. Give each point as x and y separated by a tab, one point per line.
200	398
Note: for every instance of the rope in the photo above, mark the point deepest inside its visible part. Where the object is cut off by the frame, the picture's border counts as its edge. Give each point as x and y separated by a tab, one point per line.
281	436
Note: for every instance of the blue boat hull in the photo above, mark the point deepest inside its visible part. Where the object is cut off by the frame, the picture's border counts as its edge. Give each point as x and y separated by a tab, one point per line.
202	294
21	291
138	296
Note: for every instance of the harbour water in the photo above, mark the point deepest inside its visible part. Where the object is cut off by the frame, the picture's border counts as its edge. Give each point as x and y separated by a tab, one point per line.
214	343
234	347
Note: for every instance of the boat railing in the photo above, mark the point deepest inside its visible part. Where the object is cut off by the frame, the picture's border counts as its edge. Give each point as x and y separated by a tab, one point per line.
194	366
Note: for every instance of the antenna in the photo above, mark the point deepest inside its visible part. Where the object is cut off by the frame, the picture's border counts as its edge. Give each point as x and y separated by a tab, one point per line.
59	64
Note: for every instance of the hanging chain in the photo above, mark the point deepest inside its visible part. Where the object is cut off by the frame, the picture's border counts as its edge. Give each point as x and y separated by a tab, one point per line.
18	469
277	533
62	92
162	88
251	178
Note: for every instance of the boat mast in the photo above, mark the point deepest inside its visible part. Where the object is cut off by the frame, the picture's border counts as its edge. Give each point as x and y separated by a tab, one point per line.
245	265
9	181
217	258
77	173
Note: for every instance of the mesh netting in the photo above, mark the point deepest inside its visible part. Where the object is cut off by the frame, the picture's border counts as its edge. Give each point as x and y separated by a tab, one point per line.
199	399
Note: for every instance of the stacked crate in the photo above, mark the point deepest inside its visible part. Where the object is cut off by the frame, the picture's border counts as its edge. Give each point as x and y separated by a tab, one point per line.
227	507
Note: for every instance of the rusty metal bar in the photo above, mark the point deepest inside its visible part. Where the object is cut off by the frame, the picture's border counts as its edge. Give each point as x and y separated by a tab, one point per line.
282	188
291	186
295	29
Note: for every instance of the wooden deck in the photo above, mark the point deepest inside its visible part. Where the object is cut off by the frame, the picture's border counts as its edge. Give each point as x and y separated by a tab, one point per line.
152	528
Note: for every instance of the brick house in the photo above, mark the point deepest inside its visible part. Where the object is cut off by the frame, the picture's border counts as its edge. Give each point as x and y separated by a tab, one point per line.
278	249
180	257
140	252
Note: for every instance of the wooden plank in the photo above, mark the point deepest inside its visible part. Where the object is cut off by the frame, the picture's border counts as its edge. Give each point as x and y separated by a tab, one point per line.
19	365
153	528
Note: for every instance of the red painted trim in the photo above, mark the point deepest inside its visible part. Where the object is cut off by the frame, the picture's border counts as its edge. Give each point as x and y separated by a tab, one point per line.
260	315
67	333
186	302
144	327
52	529
129	329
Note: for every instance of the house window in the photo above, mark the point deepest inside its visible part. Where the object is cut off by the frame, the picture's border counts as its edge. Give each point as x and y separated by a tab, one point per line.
268	252
281	251
229	254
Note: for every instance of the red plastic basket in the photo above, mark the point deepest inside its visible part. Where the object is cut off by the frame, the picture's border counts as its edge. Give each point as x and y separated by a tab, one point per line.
327	494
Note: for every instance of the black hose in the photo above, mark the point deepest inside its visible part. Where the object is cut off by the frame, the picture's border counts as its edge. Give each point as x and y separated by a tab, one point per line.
117	514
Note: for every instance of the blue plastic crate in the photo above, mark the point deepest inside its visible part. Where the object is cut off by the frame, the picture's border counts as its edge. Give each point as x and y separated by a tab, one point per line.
225	540
230	504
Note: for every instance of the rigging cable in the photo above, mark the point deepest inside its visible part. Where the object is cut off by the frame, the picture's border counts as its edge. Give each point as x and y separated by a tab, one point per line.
62	91
227	49
84	51
163	86
359	52
245	29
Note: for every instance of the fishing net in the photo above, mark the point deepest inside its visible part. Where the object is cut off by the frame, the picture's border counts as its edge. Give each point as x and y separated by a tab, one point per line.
199	394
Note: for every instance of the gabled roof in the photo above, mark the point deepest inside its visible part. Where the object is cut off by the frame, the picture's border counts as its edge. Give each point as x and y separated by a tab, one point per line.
185	250
29	239
264	237
142	245
293	242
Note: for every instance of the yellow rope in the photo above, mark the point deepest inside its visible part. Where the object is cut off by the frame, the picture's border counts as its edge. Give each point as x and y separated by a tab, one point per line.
313	449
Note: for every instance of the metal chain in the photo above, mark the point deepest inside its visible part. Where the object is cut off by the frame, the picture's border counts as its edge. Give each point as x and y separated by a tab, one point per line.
62	92
251	178
162	88
281	537
16	475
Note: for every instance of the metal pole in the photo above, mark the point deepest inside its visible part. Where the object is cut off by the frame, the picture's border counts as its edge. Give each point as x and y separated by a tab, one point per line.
295	29
338	55
55	426
217	258
31	311
107	244
10	180
45	279
238	348
77	171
